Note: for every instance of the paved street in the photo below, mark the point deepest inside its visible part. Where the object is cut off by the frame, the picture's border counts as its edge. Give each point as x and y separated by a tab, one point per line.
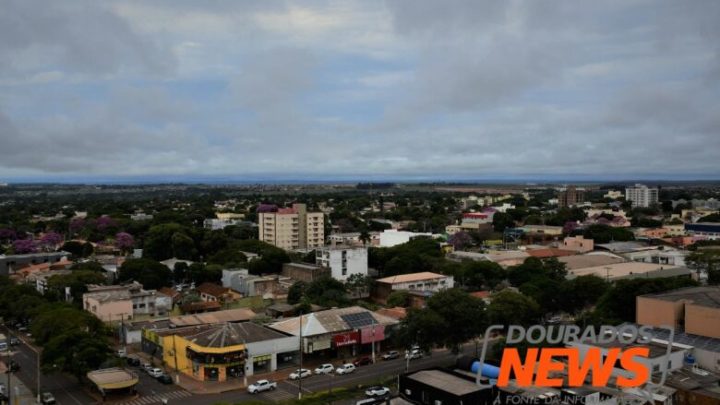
68	391
363	375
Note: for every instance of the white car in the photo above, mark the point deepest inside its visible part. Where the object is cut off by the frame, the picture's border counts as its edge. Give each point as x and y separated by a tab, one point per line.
155	372
260	386
414	354
300	373
377	391
325	369
146	367
345	369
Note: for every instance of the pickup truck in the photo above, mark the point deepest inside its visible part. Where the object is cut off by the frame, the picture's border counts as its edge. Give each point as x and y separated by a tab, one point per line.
261	385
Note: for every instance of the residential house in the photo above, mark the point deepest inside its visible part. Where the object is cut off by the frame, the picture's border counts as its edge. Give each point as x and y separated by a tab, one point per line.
423	282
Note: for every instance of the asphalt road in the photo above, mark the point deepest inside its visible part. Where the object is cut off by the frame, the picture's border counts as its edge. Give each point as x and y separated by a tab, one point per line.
363	375
66	389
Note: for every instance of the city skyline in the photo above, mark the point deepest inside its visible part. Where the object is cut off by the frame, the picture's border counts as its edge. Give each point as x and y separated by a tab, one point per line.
130	91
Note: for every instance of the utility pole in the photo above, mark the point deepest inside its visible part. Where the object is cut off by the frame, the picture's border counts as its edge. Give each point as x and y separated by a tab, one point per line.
373	340
301	360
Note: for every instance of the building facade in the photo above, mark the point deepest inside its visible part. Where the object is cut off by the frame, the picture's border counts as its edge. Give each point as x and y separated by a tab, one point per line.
292	228
124	302
570	197
343	261
642	195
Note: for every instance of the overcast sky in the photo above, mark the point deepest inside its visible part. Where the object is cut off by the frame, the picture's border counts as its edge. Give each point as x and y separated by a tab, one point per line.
371	89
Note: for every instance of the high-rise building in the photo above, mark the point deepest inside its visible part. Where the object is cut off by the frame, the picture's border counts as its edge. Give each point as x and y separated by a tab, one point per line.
642	195
291	228
570	197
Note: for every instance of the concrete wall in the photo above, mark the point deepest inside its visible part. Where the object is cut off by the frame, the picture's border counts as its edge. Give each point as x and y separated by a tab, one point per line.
655	312
702	321
110	311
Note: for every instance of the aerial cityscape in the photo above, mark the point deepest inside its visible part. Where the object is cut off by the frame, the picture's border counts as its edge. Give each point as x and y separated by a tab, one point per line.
359	202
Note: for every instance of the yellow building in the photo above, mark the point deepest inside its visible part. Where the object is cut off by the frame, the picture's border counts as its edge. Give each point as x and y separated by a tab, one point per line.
218	352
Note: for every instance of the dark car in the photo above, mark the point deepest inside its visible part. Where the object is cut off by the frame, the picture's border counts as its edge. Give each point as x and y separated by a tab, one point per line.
14	341
13	366
133	361
362	361
165	379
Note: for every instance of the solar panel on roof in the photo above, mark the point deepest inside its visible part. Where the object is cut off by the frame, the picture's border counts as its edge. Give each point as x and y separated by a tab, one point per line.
358	320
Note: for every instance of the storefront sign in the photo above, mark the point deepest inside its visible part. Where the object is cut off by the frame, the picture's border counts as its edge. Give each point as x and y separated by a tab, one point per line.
367	336
346	339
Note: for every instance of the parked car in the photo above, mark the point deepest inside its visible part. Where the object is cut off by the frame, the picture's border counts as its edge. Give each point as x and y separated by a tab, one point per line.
146	367
414	354
21	328
47	398
300	373
132	361
326	368
155	372
345	369
3	390
362	361
165	379
392	354
121	352
14	341
260	386
13	366
377	391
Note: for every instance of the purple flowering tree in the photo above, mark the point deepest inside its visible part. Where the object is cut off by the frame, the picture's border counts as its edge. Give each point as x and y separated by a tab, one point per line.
104	222
22	246
76	225
460	240
51	240
124	241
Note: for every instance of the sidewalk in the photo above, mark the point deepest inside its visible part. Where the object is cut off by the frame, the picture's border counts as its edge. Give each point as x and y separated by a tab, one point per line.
20	395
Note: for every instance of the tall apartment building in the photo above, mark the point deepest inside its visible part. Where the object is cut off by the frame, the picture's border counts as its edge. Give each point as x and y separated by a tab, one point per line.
292	228
642	195
571	197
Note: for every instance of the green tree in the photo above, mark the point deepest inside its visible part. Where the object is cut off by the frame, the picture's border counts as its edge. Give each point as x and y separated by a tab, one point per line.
501	221
707	261
399	298
508	307
91	265
78	281
296	292
53	321
451	318
150	273
74	352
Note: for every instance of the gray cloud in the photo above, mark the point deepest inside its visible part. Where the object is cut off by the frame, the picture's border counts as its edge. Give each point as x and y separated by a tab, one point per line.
80	36
408	88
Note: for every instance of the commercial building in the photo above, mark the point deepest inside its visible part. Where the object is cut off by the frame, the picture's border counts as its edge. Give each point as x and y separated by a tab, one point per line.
393	237
304	272
696	310
222	351
291	228
123	302
578	243
250	285
704	230
10	263
570	197
625	270
642	195
218	223
424	282
339	332
343	261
